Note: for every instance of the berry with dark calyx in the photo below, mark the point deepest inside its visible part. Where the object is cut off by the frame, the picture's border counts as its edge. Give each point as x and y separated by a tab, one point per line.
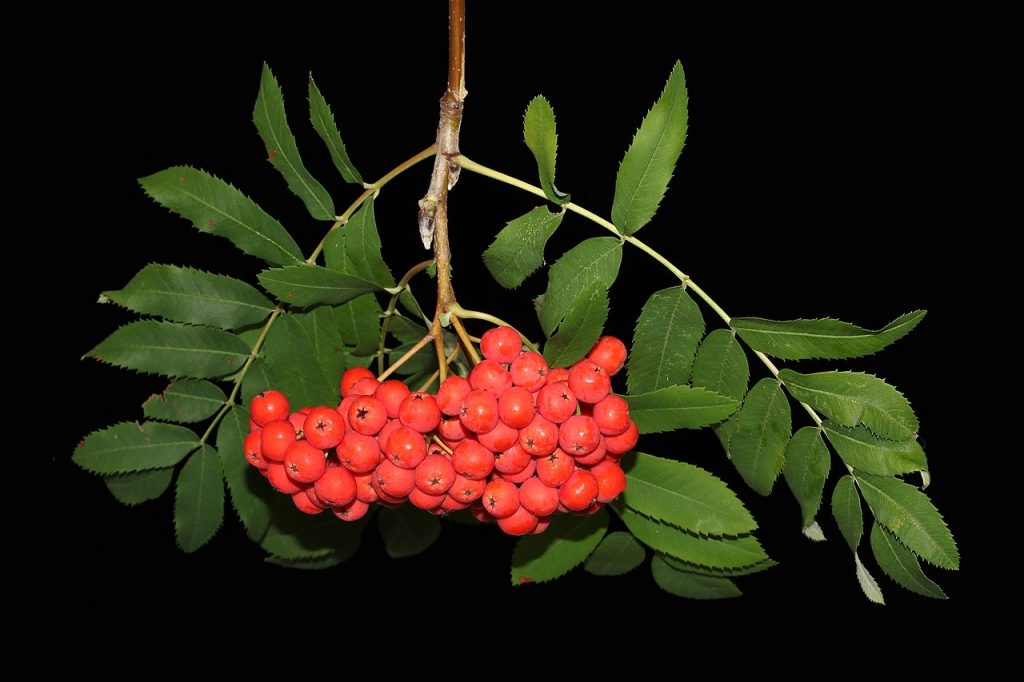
358	453
537	498
520	476
365	386
555	469
511	460
280	480
305	503
353	511
515	407
298	418
391	392
556	402
609	353
254	451
352	376
589	381
479	411
465	490
579	435
579	491
395	481
367	415
452	428
611	415
611	480
435	474
419	411
323	427
405	447
268	406
275	438
500	498
522	522
501	344
364	487
529	370
598	455
624	442
304	463
539	437
337	486
451	394
488	375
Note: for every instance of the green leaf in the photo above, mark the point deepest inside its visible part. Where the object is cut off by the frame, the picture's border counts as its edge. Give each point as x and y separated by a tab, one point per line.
359	324
667	334
409	302
678	407
199	500
806	470
594	260
648	164
813	532
566	544
716	552
172	350
518	249
407	530
130	446
854	398
824	338
691	585
139	487
912	517
760	435
580	329
185	400
867	582
272	124
294	535
250	494
257	379
310	285
684	495
618	554
847	511
355	249
900	564
721	365
319	563
305	357
322	118
863	450
216	207
717	572
541	138
194	296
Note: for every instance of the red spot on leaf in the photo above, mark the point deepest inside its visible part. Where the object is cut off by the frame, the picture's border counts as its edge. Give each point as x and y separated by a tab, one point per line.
271	153
231	361
181	179
81	443
290	296
524	580
209	221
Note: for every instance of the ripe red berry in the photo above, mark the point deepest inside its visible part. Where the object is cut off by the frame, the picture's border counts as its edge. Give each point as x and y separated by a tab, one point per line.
435	474
511	460
488	375
394	481
405	447
280	480
599	453
304	463
611	480
353	511
579	435
589	381
254	451
612	415
472	460
305	503
275	438
501	344
268	406
555	469
451	504
419	411
358	453
499	438
365	386
537	498
451	394
323	427
367	415
579	491
556	402
298	418
451	428
539	438
479	411
337	487
542	525
351	376
392	392
609	353
364	488
425	501
465	490
522	522
500	498
624	442
529	370
556	374
520	476
515	407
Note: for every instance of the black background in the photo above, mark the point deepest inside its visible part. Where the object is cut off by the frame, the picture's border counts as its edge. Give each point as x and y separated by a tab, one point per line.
818	167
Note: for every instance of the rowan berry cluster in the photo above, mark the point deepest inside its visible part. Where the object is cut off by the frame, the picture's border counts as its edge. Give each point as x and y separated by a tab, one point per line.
515	441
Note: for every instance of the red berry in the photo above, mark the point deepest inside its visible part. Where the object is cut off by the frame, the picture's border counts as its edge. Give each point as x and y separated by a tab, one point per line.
367	415
599	453
364	488
280	480
515	407
419	411
556	374
304	463
537	498
501	344
353	511
529	370
511	460
579	435
337	487
451	428
611	480
609	353
343	406
385	433
254	451
465	490
298	418
305	503
589	381
358	453
542	525
522	522
555	469
612	415
435	475
406	448
499	438
472	460
426	501
392	392
579	491
275	438
353	375
521	476
365	386
500	498
268	406
539	438
451	394
488	375
451	504
624	442
394	481
479	513
323	427
556	402
479	411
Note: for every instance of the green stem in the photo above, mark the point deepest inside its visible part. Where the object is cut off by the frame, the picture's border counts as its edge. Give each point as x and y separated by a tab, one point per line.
403	284
684	279
456	309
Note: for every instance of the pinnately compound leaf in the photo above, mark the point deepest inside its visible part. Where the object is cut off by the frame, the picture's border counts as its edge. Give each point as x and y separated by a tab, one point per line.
667	334
249	490
721	365
173	350
761	432
199	500
355	248
407	531
580	329
193	296
826	338
865	451
900	564
140	486
216	207
185	401
806	470
283	154
310	285
566	544
647	167
714	552
847	511
718	572
867	582
322	118
305	357
691	585
684	495
593	260
912	518
854	398
618	554
541	138
129	446
678	407
518	249
359	324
